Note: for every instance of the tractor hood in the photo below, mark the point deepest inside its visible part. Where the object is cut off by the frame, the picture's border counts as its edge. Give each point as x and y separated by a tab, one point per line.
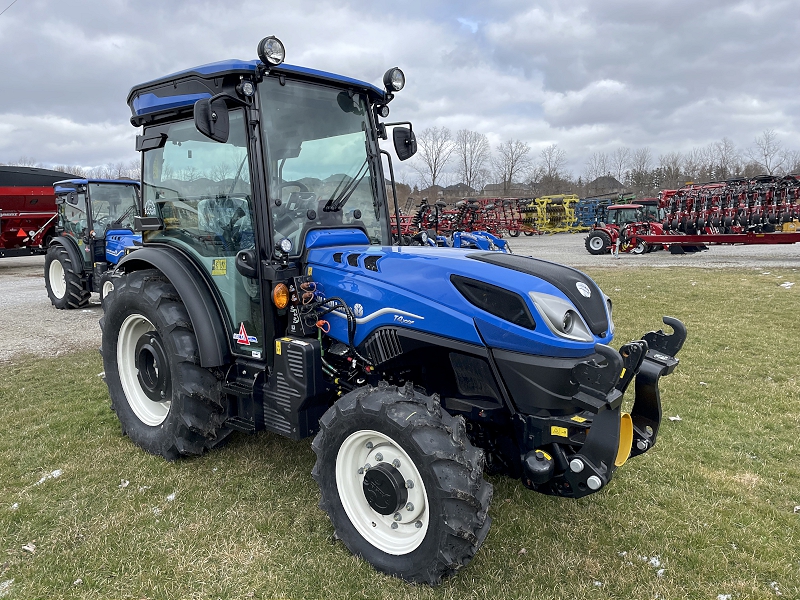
483	298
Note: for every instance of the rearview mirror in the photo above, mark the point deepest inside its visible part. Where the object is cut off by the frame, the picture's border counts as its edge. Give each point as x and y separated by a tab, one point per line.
405	142
211	119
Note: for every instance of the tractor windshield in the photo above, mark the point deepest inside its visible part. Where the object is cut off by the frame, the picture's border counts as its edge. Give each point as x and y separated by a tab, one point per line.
320	171
113	206
623	216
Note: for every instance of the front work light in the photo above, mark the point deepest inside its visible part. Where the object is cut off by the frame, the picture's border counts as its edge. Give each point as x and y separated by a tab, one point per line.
383	111
271	51
394	80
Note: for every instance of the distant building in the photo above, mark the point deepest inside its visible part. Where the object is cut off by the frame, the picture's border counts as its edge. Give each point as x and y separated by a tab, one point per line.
604	186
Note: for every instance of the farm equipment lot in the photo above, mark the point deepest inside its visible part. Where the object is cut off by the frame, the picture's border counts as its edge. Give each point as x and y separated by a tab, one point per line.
709	512
30	325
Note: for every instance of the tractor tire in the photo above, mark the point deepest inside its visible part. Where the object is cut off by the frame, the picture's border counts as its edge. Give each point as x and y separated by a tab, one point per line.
513	232
419	510
640	248
598	242
65	286
166	402
527	233
106	287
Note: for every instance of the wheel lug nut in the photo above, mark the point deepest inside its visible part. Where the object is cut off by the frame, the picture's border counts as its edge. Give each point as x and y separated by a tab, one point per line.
409	484
367	467
418	524
361	471
409	506
379	456
163	395
396	463
398	517
394	525
369	445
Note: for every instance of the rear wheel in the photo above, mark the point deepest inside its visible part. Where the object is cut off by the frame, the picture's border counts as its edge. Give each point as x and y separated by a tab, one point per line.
528	233
63	280
166	402
513	232
639	248
598	242
106	287
401	482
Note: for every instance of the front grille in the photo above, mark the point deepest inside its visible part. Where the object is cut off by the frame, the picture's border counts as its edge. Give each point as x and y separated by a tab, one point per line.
383	345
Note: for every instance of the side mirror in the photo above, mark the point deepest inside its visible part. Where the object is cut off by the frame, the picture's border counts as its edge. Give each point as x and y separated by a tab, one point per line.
211	119
405	142
247	263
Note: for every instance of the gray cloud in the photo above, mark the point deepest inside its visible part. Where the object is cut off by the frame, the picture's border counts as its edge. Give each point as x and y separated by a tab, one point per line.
588	76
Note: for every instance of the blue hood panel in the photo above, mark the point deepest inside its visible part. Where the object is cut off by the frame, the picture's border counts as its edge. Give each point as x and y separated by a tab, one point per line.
409	287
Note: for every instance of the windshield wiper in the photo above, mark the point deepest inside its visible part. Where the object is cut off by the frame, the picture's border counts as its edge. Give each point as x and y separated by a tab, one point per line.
336	204
124	216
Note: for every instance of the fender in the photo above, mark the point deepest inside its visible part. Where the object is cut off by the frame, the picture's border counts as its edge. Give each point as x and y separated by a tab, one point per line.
204	312
72	249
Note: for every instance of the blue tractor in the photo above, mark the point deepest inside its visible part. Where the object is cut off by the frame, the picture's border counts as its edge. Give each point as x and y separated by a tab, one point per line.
94	230
270	295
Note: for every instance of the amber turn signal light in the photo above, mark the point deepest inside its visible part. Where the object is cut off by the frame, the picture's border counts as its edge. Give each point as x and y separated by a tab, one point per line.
280	295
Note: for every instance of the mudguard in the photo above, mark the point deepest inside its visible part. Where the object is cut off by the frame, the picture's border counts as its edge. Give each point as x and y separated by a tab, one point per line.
204	311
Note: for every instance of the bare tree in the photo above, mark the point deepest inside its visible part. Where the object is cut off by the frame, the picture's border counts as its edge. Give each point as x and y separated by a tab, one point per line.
639	175
552	161
792	161
472	153
511	161
727	162
619	162
596	166
671	166
767	152
435	147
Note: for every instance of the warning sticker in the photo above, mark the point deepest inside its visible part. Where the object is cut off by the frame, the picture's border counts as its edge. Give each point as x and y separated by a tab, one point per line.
309	271
578	419
278	347
559	431
244	339
219	266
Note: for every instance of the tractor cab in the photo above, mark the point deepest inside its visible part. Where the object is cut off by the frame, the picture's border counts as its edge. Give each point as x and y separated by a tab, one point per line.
94	230
622	214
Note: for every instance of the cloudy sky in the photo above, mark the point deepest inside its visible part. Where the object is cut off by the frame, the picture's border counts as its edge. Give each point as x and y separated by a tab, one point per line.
587	75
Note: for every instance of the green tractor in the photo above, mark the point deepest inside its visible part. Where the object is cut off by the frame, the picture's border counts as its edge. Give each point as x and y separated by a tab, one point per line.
271	293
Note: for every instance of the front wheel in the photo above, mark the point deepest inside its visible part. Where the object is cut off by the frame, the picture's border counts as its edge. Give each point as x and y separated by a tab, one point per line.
63	280
165	401
598	242
401	482
513	232
640	248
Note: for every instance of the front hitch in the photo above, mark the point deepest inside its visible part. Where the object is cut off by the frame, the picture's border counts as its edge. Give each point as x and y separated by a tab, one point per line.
588	447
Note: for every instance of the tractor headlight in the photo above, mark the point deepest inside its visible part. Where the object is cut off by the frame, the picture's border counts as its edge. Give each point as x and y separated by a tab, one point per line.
383	111
561	317
394	80
271	51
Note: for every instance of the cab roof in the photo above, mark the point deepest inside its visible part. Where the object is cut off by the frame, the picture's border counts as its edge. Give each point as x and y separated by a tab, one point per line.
60	186
144	100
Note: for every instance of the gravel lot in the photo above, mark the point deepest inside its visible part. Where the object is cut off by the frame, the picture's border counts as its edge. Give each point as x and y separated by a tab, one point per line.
30	325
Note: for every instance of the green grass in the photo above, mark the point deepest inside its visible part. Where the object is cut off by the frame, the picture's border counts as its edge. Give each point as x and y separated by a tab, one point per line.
713	501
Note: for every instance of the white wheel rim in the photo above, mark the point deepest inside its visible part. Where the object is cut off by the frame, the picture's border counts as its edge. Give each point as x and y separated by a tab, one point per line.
354	454
58	281
108	287
149	412
596	243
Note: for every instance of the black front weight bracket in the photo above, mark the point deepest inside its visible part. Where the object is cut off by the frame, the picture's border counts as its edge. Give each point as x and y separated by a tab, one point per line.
658	361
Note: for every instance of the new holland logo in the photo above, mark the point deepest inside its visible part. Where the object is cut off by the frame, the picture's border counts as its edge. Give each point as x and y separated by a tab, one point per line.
583	289
244	339
358	310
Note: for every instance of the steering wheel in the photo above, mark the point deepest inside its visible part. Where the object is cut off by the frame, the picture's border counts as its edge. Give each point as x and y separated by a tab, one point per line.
298	184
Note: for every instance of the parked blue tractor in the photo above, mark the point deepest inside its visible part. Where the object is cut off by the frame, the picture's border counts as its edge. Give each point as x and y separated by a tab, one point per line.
94	230
269	294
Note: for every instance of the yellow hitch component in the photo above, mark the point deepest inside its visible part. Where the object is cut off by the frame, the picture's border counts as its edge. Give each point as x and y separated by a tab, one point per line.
625	439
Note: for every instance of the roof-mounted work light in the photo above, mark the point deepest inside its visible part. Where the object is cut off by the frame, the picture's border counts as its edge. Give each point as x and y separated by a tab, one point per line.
394	80
271	51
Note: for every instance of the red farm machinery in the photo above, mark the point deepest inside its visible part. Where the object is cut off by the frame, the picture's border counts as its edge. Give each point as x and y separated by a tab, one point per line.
757	210
27	210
